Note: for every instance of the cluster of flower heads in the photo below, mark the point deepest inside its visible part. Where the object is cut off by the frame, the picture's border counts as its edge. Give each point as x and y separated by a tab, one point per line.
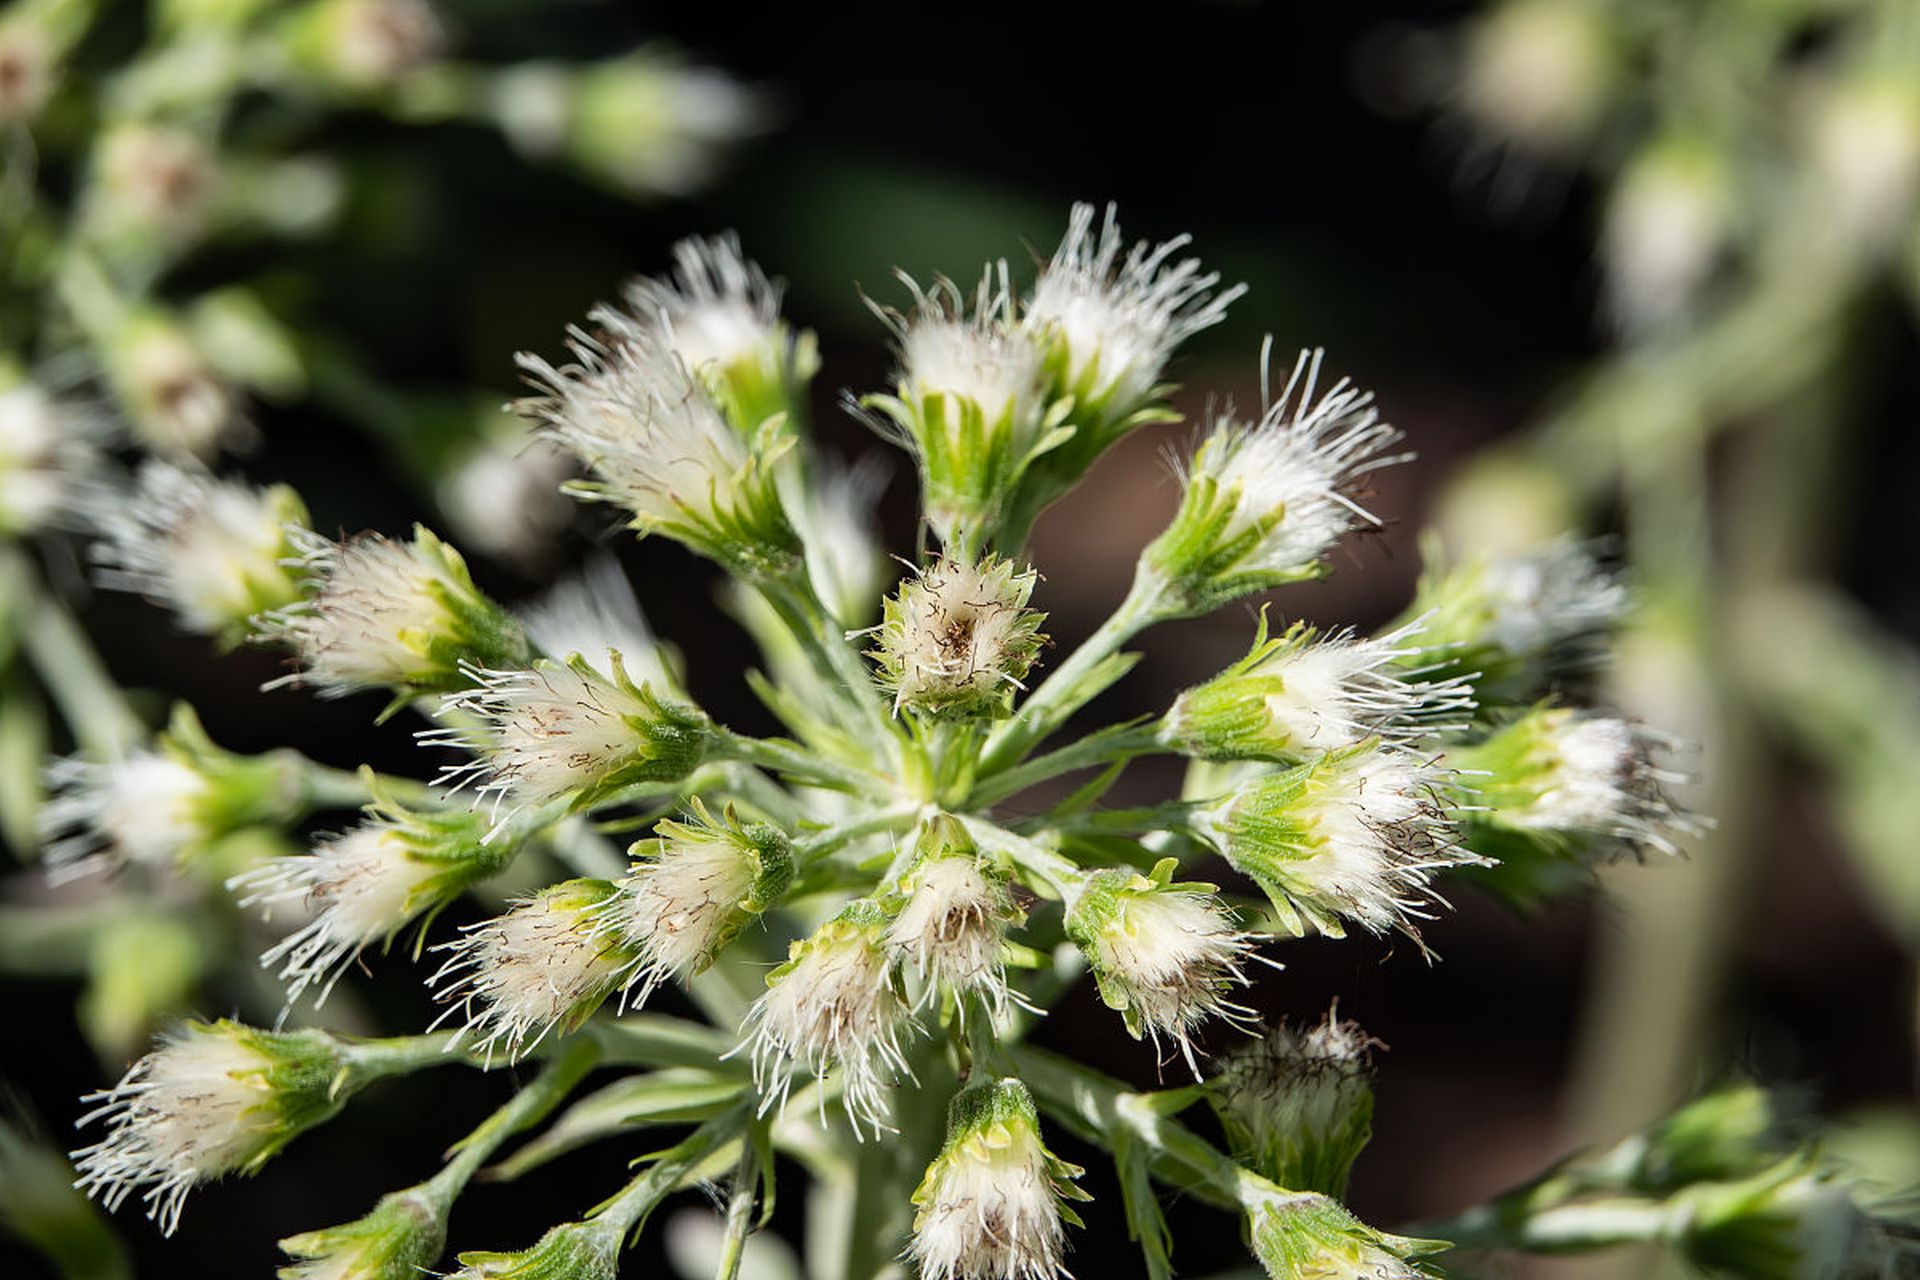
924	917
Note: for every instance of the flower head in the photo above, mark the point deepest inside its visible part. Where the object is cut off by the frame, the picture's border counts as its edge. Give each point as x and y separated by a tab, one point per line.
1301	1235
365	885
1797	1218
1668	219
29	67
44	446
384	614
1353	836
1515	621
152	180
555	731
720	316
647	123
161	807
1297	1105
1537	74
1113	321
367	45
214	1098
1165	955
1302	694
178	404
213	552
695	886
400	1239
952	922
570	1251
840	525
662	451
835	1005
547	963
1265	502
1574	774
957	639
970	406
504	494
992	1205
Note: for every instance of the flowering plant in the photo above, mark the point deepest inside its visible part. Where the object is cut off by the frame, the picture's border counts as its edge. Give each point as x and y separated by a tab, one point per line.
889	844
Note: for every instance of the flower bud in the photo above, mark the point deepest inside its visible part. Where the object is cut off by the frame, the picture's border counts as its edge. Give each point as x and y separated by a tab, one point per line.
992	1204
720	315
1302	695
214	552
970	405
696	885
547	963
1574	779
570	1251
214	1098
1164	955
386	614
161	808
1308	1235
557	731
834	1005
1297	1106
400	1239
1354	836
364	886
661	450
957	639
176	401
951	926
1265	502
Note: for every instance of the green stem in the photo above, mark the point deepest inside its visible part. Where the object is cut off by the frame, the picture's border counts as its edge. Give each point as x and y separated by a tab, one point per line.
1030	856
895	818
1097	1108
796	764
92	704
1095	749
526	1108
740	1202
1082	677
627	1210
851	684
1593	1224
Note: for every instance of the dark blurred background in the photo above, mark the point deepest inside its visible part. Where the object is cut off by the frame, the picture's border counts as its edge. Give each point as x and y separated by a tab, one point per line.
933	138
